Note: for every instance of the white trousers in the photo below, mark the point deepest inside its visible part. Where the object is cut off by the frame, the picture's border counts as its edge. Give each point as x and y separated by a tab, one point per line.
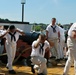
11	51
71	43
60	49
54	49
41	62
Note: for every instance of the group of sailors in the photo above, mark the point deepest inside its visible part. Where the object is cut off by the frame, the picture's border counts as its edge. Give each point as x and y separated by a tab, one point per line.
56	35
53	41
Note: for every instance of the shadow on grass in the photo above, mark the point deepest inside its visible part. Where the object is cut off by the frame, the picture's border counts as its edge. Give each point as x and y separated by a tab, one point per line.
17	73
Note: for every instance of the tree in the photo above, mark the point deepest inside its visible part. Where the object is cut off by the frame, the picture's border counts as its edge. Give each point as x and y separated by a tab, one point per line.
4	20
37	28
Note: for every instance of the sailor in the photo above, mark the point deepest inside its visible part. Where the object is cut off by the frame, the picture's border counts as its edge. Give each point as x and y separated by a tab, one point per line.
53	35
61	43
2	40
11	35
1	43
39	47
71	44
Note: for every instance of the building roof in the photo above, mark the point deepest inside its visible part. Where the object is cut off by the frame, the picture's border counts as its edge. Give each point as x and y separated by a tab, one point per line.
16	22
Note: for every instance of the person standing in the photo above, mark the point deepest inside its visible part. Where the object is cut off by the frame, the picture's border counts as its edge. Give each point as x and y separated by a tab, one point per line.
53	35
1	46
71	44
39	47
11	35
2	40
61	43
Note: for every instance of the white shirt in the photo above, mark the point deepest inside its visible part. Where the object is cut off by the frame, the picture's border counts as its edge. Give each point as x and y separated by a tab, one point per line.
2	32
62	35
73	27
35	51
8	37
51	34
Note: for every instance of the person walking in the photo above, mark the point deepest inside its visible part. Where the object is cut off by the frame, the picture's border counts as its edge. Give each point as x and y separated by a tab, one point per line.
71	44
53	35
11	35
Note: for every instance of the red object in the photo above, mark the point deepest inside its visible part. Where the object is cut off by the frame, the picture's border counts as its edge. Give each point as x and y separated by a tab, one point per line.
23	45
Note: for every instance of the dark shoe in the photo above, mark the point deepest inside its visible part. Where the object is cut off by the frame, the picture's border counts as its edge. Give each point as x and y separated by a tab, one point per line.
65	59
52	57
32	69
61	58
40	74
57	60
12	72
7	67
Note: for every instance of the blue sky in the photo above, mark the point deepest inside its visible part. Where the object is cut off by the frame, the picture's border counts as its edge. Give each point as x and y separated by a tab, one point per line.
39	11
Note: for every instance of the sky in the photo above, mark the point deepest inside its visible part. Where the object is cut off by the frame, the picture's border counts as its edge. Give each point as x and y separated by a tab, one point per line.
39	11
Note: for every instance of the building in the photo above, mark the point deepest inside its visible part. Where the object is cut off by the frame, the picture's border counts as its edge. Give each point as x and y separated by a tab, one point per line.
25	26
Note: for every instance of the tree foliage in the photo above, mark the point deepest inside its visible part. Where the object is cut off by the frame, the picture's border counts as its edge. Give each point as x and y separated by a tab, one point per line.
4	20
39	27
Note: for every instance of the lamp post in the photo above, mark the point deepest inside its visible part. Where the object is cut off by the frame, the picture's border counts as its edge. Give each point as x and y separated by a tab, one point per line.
22	2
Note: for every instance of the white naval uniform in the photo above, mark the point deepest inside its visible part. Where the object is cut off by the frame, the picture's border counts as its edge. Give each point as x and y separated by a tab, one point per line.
11	48
54	38
38	58
71	43
1	46
61	43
